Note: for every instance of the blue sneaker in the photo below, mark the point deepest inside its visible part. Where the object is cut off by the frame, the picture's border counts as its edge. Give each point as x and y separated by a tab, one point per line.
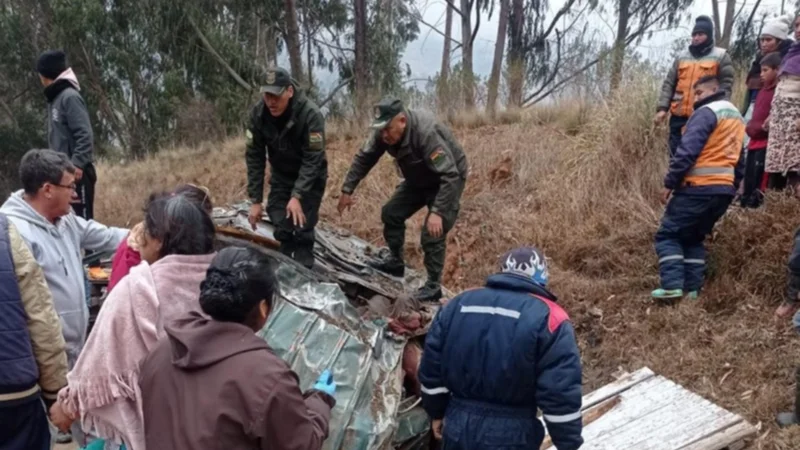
692	295
666	294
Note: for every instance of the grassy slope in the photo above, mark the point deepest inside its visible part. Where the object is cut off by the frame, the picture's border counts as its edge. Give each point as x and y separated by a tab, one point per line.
589	200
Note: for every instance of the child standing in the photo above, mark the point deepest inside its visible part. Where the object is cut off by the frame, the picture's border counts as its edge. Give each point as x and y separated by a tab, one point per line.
703	177
758	131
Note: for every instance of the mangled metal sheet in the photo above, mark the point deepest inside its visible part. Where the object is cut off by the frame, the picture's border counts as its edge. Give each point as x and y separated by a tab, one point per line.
316	326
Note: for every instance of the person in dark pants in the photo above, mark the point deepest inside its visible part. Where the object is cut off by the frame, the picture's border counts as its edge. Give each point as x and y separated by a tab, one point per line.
701	59
758	131
69	129
33	359
791	302
497	354
434	168
289	126
703	177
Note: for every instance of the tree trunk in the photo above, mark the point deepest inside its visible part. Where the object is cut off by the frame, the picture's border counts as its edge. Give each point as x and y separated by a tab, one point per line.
271	46
717	21
444	75
360	69
516	60
497	64
619	44
293	40
309	56
730	11
468	78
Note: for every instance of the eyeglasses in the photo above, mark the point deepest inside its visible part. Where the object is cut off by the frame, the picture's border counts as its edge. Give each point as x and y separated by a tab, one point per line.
72	186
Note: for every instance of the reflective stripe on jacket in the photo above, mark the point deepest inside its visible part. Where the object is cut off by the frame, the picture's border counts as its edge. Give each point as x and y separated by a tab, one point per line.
691	69
717	161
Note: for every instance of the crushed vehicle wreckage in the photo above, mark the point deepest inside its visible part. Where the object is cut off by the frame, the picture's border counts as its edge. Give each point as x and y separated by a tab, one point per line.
344	316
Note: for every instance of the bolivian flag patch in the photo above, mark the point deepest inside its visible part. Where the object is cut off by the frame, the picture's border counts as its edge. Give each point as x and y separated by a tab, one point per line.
315	140
437	156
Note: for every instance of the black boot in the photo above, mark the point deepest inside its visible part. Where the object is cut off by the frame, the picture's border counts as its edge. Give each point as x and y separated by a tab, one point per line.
305	255
287	248
430	292
392	265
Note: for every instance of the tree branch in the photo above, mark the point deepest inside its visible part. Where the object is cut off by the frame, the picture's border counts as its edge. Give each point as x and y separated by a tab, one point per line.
554	72
334	91
454	7
418	17
565	9
217	56
332	46
752	15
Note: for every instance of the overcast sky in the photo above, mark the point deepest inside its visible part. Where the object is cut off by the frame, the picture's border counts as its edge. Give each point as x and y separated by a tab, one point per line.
424	55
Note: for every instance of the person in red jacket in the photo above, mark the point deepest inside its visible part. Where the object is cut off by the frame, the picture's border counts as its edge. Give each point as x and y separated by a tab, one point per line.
127	255
758	131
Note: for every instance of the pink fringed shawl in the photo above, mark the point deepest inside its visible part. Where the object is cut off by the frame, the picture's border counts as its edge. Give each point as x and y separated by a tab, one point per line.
103	386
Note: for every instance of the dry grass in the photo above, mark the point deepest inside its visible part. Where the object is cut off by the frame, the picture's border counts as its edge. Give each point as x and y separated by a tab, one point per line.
582	184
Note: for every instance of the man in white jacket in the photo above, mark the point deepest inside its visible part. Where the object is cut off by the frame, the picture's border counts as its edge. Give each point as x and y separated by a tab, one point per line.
42	213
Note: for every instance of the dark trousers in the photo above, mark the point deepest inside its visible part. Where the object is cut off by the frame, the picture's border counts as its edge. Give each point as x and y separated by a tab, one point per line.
84	206
472	425
296	242
793	288
779	181
753	195
687	221
676	124
24	426
405	202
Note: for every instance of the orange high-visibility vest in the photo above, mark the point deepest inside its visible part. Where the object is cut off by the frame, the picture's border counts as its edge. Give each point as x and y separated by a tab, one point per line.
691	69
717	161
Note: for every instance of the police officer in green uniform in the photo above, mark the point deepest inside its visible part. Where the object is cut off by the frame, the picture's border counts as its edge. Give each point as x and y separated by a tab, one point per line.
434	169
290	127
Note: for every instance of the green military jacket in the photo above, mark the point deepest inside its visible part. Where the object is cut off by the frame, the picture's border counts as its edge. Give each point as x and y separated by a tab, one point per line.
428	156
296	147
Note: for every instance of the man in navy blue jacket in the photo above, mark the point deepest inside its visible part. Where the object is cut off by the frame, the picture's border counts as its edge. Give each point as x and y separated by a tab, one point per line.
496	354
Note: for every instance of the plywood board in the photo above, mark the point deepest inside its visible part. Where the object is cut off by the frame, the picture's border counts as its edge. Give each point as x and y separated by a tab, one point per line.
654	413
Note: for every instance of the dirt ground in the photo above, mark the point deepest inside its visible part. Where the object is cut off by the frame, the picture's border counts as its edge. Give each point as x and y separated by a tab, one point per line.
589	200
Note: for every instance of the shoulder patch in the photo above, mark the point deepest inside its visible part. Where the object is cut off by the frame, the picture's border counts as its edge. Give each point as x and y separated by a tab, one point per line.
437	156
315	140
557	314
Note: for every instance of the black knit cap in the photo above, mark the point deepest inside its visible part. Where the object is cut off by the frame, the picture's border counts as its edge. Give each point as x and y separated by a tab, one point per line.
51	64
704	24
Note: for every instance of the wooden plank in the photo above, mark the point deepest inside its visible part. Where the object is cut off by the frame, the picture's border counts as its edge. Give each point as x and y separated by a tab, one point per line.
616	387
653	413
731	435
590	416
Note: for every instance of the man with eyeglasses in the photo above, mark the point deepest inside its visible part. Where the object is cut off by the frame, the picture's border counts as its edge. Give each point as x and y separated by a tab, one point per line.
701	59
42	213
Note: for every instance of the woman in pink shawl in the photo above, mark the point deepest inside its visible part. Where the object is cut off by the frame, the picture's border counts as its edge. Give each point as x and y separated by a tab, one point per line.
127	255
103	392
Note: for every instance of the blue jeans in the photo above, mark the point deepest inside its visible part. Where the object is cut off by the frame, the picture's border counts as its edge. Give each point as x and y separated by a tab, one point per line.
687	221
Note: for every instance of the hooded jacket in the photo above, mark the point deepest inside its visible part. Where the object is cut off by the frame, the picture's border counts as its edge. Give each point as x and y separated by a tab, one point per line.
216	385
57	249
69	129
507	344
